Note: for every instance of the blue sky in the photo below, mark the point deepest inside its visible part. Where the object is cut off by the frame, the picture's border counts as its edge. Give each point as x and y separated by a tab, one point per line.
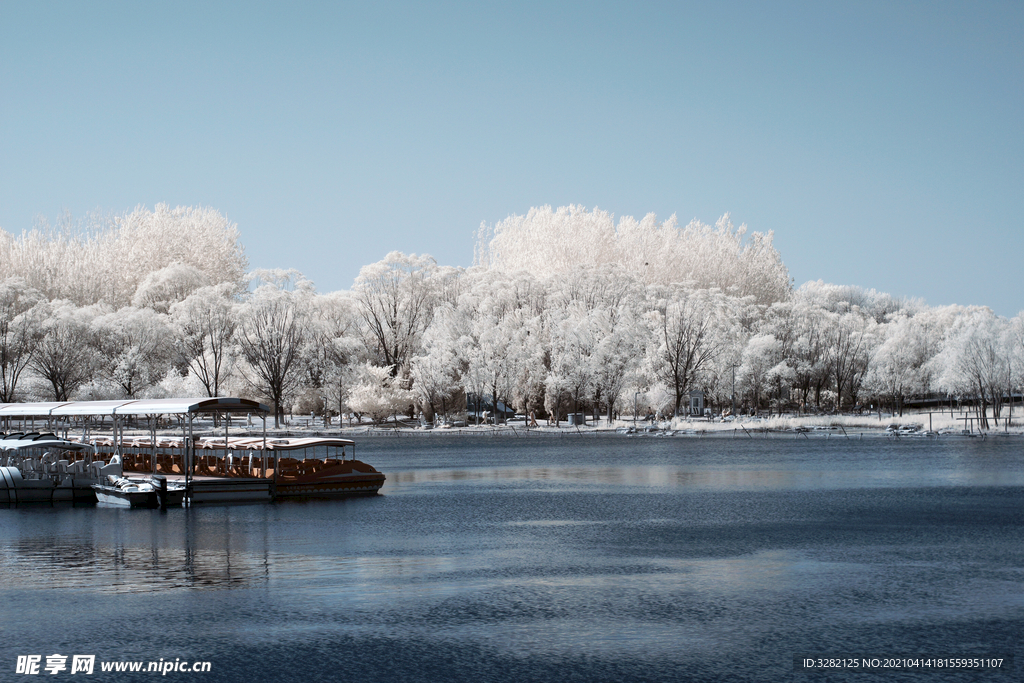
882	142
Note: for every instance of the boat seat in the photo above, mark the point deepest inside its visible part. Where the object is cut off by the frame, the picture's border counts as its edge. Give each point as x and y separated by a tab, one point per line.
288	466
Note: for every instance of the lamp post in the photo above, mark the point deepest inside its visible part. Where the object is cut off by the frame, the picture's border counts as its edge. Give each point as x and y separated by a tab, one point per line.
733	390
635	397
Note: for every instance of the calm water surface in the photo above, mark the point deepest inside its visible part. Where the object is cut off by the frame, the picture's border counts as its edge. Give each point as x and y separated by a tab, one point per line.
541	558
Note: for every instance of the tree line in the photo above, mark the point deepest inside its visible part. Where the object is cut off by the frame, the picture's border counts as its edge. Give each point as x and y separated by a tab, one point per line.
564	311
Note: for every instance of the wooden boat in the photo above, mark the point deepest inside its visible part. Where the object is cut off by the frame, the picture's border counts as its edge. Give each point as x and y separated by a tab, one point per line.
211	469
322	471
327	479
251	469
327	474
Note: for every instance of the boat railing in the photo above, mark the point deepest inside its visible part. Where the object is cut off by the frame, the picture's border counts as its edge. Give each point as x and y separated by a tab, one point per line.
217	456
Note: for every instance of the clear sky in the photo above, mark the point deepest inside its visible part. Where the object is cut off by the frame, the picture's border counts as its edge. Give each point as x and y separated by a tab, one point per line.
882	142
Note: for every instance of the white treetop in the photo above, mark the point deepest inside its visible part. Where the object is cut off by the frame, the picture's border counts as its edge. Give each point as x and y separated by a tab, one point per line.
107	261
546	242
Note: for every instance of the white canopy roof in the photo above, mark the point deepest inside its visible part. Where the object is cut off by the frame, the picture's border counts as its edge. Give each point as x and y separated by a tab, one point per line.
41	441
306	442
183	406
256	443
156	406
87	407
29	409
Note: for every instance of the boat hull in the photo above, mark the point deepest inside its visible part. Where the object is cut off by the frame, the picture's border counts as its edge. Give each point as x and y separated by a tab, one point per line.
329	489
215	490
109	495
15	490
346	478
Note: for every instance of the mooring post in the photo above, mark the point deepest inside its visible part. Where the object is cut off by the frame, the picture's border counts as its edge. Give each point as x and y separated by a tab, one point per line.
161	492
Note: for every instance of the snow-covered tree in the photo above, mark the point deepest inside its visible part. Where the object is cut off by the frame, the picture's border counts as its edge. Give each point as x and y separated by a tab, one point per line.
437	373
848	350
617	354
572	372
172	284
758	369
899	364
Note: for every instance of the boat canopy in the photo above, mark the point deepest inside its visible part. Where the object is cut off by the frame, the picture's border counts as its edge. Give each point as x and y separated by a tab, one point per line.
256	444
87	408
18	442
28	409
157	406
183	406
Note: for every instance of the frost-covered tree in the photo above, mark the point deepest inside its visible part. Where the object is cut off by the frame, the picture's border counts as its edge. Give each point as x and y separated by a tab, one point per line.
107	260
133	348
205	323
21	329
567	309
572	370
66	356
1015	353
617	354
501	352
841	298
686	324
899	364
758	369
545	242
975	360
807	323
848	351
161	289
378	393
272	332
332	347
396	298
437	373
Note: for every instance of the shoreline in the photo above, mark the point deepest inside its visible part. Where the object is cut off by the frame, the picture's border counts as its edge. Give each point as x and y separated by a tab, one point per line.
715	431
914	426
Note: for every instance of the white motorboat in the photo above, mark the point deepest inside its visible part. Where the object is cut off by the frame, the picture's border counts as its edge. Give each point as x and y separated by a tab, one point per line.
42	468
138	493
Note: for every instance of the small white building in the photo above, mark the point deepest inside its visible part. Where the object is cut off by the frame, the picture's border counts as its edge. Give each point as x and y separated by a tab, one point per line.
696	403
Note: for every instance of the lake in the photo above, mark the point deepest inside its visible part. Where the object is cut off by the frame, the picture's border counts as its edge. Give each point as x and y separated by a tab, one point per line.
583	558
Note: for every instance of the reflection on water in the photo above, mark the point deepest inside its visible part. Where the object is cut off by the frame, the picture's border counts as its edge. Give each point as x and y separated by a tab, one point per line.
191	559
715	479
43	564
103	563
